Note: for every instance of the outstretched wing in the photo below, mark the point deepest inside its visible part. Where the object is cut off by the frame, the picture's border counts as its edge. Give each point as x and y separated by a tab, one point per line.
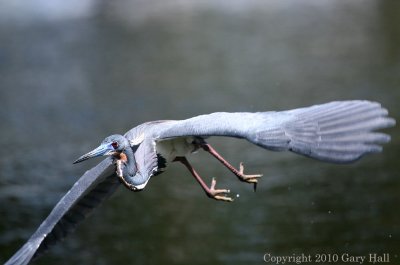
340	131
88	192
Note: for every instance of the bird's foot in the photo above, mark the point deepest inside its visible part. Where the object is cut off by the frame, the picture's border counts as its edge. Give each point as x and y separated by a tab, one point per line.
248	178
218	194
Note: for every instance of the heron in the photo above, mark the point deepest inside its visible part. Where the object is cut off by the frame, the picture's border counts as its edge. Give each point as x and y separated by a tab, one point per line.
335	132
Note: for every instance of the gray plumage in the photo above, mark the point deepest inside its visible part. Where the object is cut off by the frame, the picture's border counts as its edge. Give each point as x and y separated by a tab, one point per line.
87	193
338	132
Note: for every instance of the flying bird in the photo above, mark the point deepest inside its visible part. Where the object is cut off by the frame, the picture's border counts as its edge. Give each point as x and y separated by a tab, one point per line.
336	132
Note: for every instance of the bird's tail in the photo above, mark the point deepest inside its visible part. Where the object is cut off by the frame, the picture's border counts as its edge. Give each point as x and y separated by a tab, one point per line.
339	132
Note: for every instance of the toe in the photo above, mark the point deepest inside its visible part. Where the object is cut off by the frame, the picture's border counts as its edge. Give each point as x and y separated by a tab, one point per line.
218	194
223	198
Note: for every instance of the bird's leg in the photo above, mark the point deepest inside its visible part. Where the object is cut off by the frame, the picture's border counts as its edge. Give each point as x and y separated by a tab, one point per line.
217	194
239	173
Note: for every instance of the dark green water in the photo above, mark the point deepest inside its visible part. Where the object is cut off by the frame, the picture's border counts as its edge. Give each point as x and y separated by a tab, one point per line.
66	84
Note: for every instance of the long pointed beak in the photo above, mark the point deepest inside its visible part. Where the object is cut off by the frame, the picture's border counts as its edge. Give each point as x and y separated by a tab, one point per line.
99	151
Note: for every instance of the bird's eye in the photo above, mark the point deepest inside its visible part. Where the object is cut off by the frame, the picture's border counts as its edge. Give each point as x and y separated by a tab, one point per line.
114	145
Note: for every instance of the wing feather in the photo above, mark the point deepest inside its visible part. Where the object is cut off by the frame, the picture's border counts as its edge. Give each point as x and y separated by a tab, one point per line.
88	192
146	161
339	131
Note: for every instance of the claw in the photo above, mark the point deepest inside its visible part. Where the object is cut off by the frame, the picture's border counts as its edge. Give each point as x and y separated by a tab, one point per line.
248	178
218	194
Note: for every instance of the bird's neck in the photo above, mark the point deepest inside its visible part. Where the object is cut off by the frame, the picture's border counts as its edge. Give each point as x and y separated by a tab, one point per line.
128	158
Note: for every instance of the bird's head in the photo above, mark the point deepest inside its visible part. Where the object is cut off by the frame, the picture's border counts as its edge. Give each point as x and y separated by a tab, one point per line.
112	145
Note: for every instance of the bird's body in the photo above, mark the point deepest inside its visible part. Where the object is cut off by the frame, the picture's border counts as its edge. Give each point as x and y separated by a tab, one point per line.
336	132
169	149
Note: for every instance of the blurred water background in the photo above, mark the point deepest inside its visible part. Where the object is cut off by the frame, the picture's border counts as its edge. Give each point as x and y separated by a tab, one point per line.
73	72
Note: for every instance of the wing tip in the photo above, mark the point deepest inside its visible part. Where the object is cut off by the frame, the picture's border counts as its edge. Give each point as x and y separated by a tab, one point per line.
25	254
